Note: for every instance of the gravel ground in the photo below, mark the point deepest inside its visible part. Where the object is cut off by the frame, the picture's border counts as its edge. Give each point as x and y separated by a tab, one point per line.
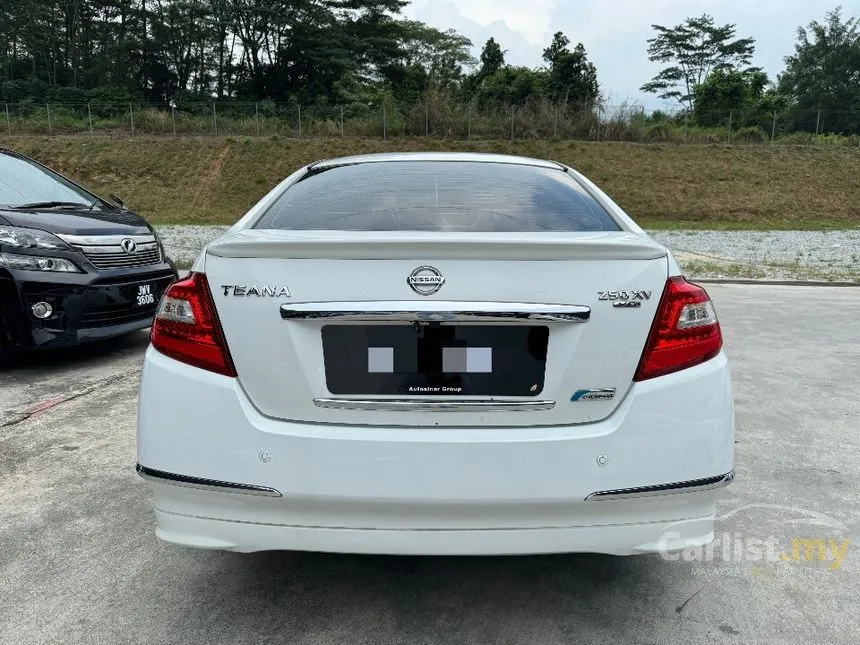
827	255
783	255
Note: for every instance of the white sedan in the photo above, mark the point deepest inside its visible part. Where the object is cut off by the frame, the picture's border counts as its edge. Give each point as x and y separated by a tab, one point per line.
436	354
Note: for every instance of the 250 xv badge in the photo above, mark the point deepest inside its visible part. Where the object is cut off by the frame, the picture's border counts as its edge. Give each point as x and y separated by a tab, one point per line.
624	298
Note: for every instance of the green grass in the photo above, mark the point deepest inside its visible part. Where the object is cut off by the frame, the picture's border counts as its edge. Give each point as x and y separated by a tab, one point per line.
768	269
698	268
207	180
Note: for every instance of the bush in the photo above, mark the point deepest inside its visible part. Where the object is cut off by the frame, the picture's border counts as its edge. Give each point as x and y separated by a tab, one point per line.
839	140
750	134
68	95
798	139
656	132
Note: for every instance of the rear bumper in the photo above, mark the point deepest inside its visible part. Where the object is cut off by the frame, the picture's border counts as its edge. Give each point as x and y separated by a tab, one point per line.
618	528
426	490
86	306
614	539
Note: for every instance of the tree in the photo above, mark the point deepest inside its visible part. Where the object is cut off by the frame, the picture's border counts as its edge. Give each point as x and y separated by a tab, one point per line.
571	76
492	58
426	57
727	90
694	49
824	72
492	61
511	86
318	53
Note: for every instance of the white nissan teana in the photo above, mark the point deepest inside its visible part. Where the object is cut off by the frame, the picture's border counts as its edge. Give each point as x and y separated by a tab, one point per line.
436	354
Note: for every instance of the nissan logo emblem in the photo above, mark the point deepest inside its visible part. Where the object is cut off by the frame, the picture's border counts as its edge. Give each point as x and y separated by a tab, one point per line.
128	245
425	281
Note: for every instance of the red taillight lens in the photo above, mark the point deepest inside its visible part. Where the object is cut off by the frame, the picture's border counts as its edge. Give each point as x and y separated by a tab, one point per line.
186	327
685	331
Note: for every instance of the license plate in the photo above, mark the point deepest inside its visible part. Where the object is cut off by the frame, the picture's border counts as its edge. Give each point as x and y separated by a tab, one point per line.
143	295
435	359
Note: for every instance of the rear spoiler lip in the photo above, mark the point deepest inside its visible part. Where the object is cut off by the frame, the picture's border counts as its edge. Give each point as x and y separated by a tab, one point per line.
361	245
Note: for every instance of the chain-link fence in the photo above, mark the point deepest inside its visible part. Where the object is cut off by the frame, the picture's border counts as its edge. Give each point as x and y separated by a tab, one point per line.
436	118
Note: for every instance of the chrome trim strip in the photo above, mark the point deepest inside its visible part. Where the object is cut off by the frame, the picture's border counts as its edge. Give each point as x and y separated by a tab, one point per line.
101	240
162	477
417	405
693	486
115	249
435	311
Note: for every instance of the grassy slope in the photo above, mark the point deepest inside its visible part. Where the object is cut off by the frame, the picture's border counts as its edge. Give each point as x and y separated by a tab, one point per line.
214	180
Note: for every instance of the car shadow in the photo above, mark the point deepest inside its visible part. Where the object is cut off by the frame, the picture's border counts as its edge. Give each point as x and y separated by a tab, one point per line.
94	353
420	599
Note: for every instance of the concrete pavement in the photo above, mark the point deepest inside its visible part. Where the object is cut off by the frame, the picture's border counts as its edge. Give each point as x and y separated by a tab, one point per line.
79	562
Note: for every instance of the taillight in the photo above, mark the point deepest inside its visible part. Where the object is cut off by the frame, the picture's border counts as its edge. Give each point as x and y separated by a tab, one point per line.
186	327
685	331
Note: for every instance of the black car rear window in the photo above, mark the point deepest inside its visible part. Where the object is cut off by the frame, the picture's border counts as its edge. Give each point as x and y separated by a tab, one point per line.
438	196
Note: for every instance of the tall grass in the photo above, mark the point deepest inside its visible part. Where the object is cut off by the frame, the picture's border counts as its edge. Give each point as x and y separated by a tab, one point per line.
435	116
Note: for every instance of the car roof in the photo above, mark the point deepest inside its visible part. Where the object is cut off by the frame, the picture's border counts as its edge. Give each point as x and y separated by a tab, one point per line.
473	157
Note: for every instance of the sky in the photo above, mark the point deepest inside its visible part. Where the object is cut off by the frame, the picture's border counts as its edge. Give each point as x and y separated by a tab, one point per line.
614	32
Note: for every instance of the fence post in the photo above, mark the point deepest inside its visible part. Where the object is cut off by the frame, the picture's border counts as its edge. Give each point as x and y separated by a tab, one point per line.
173	118
773	128
48	110
469	123
214	118
131	113
8	122
257	117
341	121
426	116
686	125
731	114
90	116
598	123
384	123
300	120
817	123
513	114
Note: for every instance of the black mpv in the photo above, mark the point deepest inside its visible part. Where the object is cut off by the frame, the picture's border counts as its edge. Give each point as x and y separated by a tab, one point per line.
73	267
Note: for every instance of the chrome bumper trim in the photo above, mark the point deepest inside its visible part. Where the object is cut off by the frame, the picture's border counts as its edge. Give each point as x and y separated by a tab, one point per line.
693	486
435	311
161	477
413	405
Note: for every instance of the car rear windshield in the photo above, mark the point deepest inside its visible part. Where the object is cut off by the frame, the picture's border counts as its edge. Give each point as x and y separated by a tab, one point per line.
438	196
24	182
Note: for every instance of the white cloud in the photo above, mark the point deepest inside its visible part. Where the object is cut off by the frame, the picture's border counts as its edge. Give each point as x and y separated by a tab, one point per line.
444	14
529	18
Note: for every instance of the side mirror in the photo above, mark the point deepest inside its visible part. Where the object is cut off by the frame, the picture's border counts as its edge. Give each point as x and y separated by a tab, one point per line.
117	200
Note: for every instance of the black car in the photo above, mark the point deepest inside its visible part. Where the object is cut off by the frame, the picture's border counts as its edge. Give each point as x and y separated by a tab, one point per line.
73	267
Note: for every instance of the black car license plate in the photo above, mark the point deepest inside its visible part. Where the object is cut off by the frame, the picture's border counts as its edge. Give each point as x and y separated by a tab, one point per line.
435	359
143	294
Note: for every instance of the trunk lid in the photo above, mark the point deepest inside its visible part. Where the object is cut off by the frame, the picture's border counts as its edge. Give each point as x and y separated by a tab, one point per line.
281	362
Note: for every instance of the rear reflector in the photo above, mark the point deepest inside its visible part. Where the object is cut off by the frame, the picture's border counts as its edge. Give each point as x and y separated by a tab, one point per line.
187	328
685	331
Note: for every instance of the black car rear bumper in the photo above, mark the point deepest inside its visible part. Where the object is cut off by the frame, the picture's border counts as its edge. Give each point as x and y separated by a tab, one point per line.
86	306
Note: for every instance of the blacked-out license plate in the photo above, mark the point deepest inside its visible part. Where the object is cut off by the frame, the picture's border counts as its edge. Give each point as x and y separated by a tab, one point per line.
435	359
